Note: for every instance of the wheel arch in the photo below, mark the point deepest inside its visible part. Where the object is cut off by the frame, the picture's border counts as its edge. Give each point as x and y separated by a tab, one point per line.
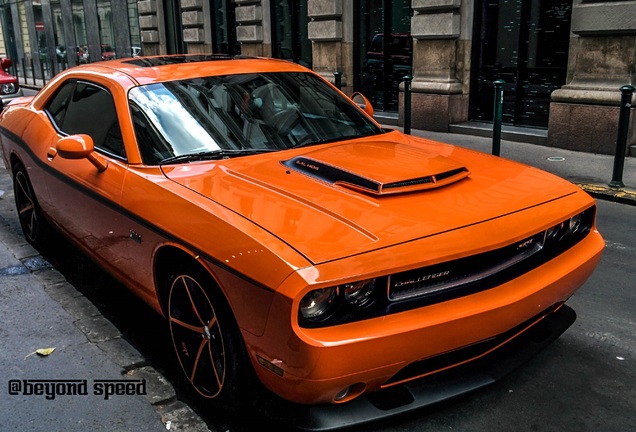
14	159
168	259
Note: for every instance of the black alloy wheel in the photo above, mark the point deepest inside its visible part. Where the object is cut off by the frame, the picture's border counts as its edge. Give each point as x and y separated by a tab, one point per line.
32	222
205	336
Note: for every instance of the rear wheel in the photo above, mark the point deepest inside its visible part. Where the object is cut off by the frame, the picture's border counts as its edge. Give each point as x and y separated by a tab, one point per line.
32	222
205	336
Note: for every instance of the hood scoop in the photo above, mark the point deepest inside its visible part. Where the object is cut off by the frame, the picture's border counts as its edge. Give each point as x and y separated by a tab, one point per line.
379	168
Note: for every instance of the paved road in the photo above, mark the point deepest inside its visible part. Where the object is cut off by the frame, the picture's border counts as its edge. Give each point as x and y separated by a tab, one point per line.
586	380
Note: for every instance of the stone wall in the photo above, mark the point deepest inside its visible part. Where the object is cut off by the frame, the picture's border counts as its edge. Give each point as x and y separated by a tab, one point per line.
584	113
441	64
331	33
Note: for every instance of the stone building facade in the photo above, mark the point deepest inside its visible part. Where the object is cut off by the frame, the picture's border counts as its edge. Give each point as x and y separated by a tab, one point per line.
563	61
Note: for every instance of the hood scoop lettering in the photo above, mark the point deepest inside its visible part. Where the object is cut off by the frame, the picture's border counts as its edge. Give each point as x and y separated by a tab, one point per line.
378	170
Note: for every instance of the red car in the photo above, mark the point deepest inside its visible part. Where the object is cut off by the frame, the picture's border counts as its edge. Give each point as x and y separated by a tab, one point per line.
9	86
108	53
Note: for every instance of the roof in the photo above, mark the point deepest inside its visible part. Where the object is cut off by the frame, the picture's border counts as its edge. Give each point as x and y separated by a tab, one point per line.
146	70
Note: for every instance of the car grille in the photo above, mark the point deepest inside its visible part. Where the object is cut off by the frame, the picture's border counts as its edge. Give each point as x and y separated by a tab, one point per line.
432	279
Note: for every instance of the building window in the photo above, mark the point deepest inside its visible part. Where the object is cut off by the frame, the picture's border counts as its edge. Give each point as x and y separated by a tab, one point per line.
525	44
384	50
289	31
224	28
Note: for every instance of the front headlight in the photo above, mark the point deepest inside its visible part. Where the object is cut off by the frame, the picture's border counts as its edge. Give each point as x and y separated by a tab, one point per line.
359	293
9	88
317	305
570	230
576	223
339	304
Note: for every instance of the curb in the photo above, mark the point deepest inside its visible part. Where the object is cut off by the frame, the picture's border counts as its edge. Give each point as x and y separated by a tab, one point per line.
617	195
174	414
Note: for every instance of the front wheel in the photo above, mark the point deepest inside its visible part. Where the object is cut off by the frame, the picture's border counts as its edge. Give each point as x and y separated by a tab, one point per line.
32	222
205	336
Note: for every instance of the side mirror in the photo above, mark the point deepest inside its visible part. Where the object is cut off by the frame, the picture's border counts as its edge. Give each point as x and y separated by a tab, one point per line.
5	63
360	100
80	147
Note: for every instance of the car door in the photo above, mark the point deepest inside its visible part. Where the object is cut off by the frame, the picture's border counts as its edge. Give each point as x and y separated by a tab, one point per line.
83	200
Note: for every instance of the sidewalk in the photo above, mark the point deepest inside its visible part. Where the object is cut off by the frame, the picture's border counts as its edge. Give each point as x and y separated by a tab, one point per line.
94	379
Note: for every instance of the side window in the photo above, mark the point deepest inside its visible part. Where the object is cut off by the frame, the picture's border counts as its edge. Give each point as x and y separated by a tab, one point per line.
58	104
84	108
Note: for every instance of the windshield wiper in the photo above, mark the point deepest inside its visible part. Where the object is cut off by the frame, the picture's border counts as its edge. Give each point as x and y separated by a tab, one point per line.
213	154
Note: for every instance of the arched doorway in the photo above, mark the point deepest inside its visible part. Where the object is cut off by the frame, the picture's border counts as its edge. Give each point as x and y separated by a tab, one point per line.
525	43
383	50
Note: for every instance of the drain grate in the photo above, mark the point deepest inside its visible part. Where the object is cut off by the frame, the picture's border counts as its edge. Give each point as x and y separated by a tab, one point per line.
14	270
36	263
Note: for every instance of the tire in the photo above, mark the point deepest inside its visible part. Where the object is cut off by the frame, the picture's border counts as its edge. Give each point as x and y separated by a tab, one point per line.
205	337
34	226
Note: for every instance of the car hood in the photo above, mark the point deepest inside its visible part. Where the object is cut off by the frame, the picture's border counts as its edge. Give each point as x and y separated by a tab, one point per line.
5	78
338	200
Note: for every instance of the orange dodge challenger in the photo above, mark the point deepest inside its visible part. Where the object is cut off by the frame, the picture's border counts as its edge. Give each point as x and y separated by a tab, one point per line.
357	272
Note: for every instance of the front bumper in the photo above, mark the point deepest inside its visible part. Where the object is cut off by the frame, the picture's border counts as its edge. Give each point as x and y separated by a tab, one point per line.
432	389
337	364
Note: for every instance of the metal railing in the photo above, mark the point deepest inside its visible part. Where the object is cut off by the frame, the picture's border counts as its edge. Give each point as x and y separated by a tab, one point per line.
28	74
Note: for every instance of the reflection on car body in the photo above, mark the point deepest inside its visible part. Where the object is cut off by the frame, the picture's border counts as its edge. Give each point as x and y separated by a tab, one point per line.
282	231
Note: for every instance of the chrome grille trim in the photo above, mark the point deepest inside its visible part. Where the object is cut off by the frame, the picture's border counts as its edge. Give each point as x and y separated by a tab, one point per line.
423	283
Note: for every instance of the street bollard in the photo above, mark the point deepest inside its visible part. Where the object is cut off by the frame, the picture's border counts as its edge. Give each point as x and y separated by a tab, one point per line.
407	104
338	79
32	71
497	114
621	136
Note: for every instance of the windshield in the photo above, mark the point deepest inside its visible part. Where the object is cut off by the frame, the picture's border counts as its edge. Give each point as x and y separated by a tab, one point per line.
260	111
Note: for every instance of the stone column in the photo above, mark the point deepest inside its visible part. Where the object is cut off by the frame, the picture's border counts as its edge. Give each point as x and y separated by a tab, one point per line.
151	25
122	35
47	16
69	35
195	19
441	63
91	21
331	32
252	31
32	38
584	113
